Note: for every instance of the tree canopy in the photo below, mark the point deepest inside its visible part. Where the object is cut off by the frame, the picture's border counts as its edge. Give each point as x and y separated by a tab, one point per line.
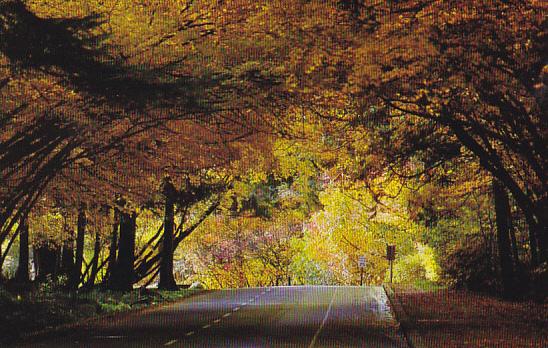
278	139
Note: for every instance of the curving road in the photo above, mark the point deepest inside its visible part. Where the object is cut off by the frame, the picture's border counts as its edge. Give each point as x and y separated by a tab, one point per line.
298	316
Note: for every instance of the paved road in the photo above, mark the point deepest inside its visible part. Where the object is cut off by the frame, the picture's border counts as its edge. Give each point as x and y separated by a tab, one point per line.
299	316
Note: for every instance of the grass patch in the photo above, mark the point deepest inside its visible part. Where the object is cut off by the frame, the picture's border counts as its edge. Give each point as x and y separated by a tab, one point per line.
37	310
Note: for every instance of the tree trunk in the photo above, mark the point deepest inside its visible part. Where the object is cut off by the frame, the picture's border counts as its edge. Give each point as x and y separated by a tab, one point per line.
22	273
95	260
67	257
5	254
514	244
535	212
113	244
79	257
122	277
533	245
167	281
144	268
45	257
502	210
540	275
541	232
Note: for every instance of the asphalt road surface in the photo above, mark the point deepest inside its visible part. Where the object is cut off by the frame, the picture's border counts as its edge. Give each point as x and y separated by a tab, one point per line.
298	316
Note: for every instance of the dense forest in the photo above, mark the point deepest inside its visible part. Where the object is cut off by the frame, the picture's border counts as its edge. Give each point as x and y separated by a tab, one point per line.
252	143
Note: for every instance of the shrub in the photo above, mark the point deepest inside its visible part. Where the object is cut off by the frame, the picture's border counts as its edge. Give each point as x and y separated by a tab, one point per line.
408	269
113	307
53	284
469	264
197	286
419	266
539	276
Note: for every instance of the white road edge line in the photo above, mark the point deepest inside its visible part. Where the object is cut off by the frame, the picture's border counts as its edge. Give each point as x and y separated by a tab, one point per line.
169	343
323	323
207	326
226	315
216	320
190	333
235	309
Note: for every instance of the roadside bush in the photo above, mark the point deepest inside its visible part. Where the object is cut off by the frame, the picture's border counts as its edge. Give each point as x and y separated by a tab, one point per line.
408	269
113	307
469	264
417	267
6	298
53	284
308	271
540	282
42	308
197	286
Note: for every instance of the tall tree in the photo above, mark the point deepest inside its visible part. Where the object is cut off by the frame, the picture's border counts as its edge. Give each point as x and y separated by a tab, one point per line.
95	260
113	247
46	257
502	211
424	73
76	273
67	257
123	274
481	89
22	274
167	280
77	129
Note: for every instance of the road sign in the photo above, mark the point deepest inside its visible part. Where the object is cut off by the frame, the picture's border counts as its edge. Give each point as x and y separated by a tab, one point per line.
361	265
391	256
361	261
391	252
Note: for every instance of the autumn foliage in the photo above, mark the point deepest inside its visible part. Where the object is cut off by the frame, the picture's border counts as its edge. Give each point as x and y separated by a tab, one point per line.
259	142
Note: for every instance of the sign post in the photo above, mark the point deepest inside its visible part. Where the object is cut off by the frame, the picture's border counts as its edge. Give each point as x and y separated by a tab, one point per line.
361	265
391	256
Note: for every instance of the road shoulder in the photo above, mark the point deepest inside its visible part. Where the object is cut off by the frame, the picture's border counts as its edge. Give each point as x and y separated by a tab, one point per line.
455	318
401	317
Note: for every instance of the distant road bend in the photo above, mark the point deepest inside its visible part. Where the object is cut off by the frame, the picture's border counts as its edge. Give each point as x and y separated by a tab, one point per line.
297	316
